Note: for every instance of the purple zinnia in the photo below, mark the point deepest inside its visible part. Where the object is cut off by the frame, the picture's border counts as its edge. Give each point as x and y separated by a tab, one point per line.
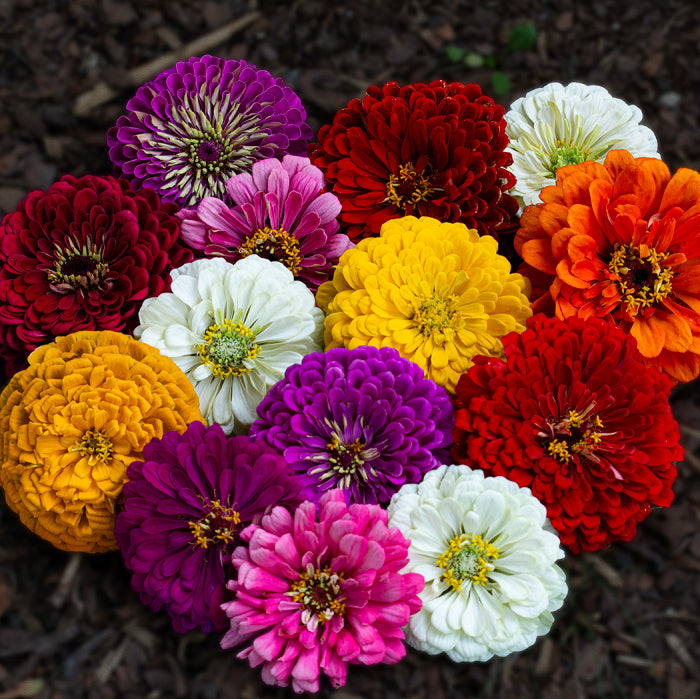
195	125
185	505
364	420
279	213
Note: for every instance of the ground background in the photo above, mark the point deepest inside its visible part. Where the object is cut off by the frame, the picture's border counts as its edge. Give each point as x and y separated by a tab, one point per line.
71	627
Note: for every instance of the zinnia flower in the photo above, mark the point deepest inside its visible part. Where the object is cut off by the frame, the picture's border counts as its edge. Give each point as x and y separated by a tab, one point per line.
620	240
73	421
279	213
573	413
233	329
315	594
487	553
363	420
187	131
81	256
437	292
553	126
185	506
435	150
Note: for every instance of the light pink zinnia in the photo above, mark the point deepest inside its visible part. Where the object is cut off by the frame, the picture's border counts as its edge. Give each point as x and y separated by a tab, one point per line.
279	213
317	595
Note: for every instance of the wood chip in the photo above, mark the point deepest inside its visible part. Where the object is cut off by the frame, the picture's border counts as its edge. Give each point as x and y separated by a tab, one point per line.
605	570
101	92
65	584
683	654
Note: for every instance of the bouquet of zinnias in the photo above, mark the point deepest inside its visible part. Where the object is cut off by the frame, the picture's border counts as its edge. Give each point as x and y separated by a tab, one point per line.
299	385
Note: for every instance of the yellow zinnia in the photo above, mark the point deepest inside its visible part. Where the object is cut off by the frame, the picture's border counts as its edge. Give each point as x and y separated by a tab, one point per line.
437	292
74	420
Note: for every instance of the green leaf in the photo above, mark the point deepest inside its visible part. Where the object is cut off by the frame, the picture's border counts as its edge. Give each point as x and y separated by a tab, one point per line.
490	62
500	82
522	36
455	54
473	60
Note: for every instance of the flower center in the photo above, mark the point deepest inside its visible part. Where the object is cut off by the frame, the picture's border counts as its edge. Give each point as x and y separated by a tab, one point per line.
468	559
574	434
566	154
217	526
408	188
641	278
435	314
226	347
96	446
346	459
77	267
209	154
318	591
274	244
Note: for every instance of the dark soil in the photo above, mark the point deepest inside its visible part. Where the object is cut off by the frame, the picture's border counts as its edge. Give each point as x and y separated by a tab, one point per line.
70	625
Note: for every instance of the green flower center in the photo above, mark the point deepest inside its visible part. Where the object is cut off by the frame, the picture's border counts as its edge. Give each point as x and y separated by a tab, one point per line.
468	559
319	593
408	188
435	314
641	278
274	244
217	526
210	153
226	347
96	446
567	154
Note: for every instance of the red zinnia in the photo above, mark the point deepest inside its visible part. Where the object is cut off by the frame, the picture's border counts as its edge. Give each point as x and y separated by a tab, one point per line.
82	256
422	150
573	413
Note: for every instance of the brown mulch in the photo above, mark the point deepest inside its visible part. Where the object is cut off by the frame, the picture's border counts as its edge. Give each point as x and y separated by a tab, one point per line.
70	626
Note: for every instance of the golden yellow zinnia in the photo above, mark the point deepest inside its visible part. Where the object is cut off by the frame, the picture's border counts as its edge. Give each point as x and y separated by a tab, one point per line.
437	292
74	420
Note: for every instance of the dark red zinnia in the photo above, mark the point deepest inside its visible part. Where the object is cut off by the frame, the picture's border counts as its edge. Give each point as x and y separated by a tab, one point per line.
423	150
574	414
82	256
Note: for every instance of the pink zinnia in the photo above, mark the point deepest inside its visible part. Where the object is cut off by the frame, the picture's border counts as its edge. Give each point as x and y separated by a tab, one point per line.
315	595
279	213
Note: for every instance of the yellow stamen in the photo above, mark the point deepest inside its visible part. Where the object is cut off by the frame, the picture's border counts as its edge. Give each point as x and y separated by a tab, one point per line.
468	558
274	244
408	188
218	526
319	593
226	347
641	278
96	446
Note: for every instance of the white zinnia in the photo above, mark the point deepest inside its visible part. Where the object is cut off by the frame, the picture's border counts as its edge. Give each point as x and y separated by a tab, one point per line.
555	125
498	584
233	329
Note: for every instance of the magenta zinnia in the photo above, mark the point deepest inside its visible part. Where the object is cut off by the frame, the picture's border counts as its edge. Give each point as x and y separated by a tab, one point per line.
316	592
185	506
573	413
280	213
82	256
417	150
187	131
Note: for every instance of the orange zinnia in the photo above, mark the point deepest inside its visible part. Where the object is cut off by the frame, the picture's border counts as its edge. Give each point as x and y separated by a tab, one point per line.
622	239
74	420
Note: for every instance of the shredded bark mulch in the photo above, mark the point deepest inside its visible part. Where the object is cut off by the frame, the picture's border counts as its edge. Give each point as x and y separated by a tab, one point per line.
70	625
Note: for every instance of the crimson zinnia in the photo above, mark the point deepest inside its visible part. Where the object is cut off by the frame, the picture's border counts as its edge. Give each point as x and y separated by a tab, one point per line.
573	414
82	256
435	150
